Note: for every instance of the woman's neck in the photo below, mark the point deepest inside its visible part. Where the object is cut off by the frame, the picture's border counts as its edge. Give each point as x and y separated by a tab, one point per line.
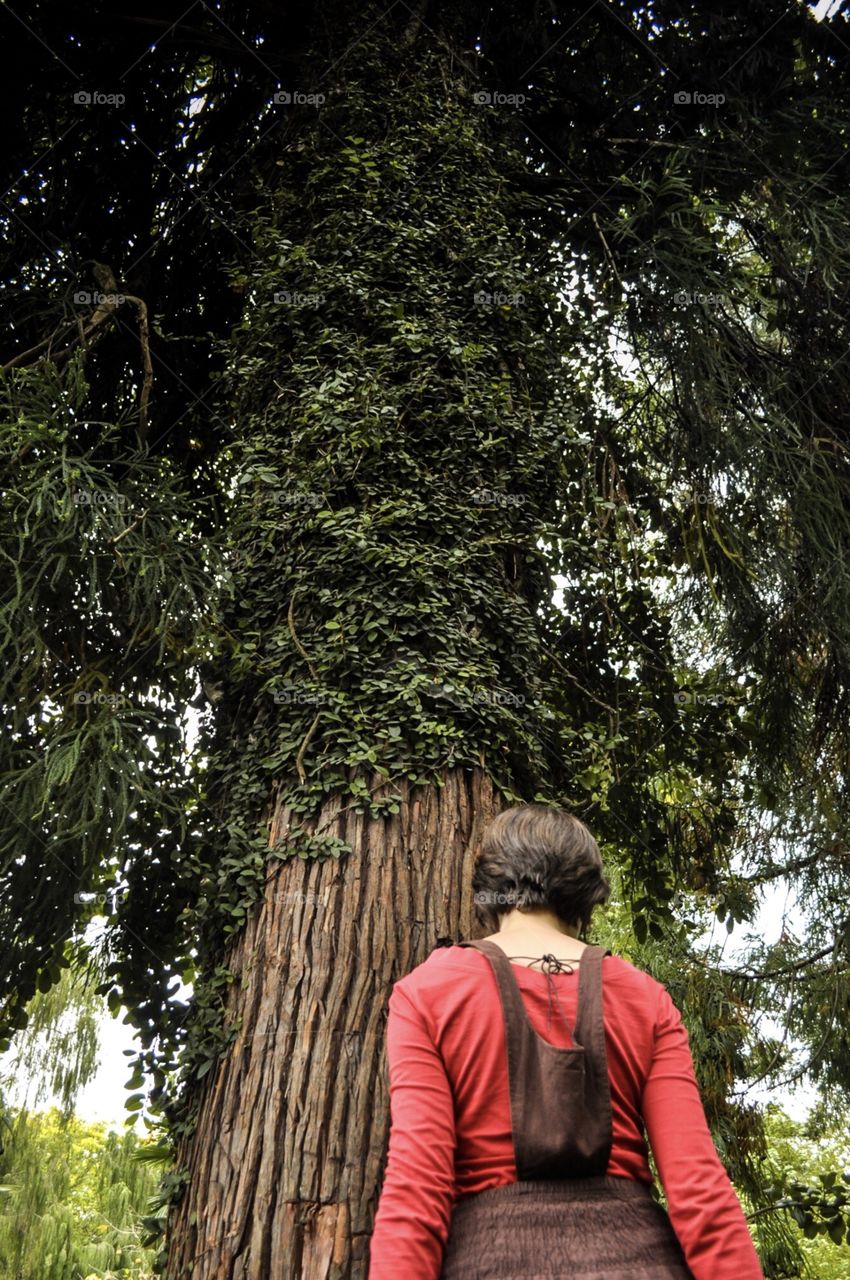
536	920
536	932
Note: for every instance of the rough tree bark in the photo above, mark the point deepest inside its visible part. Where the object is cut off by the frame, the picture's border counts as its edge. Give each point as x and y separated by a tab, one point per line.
294	1122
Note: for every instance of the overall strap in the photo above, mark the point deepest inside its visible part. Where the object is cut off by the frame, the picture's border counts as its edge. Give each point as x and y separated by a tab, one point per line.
561	1122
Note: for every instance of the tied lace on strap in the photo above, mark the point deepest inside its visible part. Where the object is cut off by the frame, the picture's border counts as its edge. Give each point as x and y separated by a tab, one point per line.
551	964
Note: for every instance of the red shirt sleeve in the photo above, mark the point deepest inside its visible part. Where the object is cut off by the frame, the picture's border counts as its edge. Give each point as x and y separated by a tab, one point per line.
415	1207
704	1210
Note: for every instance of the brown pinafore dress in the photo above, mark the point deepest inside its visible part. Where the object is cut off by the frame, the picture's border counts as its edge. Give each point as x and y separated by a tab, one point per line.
563	1217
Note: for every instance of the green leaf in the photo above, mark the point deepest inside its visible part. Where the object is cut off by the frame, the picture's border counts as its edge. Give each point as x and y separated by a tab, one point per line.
837	1231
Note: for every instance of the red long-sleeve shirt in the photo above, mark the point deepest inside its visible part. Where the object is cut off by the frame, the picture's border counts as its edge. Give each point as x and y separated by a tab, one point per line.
450	1130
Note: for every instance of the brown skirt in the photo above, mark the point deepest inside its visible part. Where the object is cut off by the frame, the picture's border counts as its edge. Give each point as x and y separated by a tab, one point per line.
600	1228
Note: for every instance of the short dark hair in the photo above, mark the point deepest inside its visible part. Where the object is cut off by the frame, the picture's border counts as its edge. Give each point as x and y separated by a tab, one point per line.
537	856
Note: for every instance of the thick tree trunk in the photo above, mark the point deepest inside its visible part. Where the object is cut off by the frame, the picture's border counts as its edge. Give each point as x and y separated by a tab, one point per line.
291	1140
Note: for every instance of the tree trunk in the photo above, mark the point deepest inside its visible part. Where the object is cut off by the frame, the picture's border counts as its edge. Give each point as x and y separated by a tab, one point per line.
398	462
286	1161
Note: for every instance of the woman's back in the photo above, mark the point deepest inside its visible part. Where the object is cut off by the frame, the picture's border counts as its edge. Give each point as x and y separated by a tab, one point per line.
455	992
451	1132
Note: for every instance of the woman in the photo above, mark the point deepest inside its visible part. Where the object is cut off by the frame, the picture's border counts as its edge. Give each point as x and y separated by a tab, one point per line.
517	1147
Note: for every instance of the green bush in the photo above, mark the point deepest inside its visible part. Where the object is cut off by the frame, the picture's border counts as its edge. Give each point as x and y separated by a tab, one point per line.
72	1199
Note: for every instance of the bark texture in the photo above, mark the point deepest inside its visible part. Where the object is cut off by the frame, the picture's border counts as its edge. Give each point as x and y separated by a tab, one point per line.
290	1146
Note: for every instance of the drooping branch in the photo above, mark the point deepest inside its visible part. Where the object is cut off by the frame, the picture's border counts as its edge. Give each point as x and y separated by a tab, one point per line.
90	331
